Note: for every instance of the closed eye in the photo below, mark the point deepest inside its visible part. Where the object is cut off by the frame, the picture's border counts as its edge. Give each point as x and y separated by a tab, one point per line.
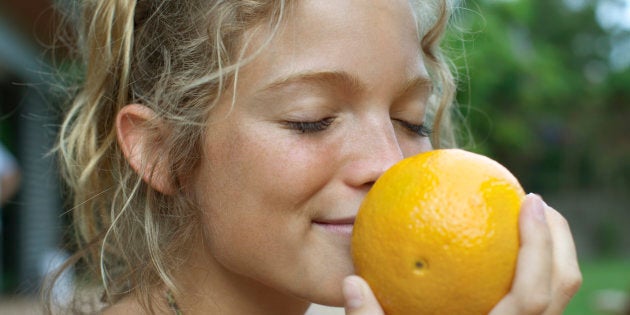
309	126
417	129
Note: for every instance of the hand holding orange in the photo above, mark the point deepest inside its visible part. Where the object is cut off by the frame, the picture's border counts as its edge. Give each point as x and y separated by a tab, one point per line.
438	234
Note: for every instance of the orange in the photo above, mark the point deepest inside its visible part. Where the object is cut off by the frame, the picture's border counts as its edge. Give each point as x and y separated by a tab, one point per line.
438	234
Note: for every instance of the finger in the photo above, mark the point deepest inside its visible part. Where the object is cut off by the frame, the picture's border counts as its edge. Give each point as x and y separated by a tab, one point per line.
359	299
531	288
567	277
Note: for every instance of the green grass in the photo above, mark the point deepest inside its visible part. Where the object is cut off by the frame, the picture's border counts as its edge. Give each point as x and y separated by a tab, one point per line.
599	275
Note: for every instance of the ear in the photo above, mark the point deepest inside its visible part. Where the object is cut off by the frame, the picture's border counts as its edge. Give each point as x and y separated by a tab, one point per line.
136	140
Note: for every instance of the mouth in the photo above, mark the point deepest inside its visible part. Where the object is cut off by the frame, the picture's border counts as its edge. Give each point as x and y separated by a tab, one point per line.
342	226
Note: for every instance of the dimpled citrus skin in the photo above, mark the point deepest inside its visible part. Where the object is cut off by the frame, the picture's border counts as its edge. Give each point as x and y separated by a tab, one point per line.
438	234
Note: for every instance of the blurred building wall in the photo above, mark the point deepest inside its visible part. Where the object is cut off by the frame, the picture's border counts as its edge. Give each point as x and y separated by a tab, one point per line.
37	225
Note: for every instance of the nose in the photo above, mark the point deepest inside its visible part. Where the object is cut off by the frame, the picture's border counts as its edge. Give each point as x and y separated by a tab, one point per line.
374	150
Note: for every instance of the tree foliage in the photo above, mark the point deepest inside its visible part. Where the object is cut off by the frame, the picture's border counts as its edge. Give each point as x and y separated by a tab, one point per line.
538	93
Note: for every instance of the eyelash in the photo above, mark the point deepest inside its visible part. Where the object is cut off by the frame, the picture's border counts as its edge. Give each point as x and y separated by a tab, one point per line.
310	126
421	130
304	127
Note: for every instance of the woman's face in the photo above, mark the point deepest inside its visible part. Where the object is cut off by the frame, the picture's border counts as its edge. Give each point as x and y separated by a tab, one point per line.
335	99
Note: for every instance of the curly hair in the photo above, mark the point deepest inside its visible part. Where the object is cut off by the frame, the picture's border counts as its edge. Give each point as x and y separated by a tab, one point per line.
177	58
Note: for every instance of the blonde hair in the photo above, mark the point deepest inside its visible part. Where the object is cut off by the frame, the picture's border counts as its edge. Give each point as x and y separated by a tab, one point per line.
176	57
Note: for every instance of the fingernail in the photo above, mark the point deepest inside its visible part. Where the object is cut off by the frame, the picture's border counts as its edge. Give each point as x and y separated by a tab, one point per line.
538	206
353	294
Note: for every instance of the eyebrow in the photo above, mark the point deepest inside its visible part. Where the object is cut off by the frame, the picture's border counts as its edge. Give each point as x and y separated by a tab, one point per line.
420	83
343	79
337	79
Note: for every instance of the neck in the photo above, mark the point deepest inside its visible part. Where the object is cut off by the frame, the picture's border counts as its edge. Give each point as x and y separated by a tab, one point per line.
210	288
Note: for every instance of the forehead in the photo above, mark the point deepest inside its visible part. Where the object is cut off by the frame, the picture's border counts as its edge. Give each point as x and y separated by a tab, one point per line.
362	38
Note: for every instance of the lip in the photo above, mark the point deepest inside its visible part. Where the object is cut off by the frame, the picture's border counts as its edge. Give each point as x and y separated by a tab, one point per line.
341	226
336	221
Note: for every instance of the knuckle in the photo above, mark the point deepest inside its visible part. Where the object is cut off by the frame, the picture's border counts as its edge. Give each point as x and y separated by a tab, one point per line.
562	221
535	304
571	283
558	218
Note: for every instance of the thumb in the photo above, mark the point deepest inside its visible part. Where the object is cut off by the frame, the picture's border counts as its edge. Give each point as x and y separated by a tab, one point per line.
359	299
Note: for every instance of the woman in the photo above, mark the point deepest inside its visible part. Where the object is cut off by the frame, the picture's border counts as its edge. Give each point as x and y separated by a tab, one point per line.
218	152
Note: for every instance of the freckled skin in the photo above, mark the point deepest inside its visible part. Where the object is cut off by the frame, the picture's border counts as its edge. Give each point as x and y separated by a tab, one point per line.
263	185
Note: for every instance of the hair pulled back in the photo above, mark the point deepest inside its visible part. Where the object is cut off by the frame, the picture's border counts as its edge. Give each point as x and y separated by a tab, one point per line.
177	58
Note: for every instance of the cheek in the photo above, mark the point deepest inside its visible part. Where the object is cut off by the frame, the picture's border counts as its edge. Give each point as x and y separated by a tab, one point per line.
253	181
412	147
259	193
279	170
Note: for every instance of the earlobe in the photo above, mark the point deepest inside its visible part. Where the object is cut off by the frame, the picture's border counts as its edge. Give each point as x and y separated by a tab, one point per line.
135	138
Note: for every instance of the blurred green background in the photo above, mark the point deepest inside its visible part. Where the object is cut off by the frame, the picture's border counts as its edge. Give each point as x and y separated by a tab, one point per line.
544	88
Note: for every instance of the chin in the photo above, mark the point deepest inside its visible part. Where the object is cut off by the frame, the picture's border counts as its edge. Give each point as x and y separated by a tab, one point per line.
329	292
330	299
324	285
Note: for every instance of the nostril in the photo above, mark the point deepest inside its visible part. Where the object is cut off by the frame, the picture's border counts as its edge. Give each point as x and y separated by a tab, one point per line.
369	185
